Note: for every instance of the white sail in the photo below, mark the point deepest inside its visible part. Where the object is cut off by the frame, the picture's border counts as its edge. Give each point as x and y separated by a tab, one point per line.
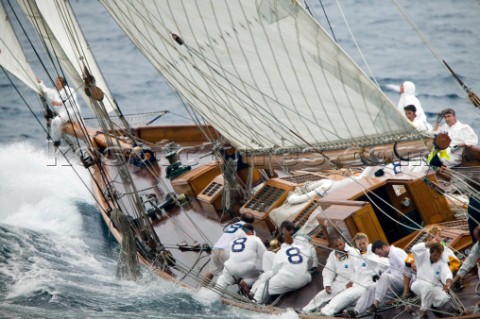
12	57
265	74
57	24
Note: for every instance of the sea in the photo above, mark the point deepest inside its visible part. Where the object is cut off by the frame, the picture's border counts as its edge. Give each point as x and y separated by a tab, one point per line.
58	259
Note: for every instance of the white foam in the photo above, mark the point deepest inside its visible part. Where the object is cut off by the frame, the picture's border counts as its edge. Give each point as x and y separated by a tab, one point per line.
38	278
38	192
40	197
206	296
288	314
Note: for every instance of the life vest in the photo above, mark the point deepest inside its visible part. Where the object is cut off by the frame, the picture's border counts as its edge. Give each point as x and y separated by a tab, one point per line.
435	155
454	264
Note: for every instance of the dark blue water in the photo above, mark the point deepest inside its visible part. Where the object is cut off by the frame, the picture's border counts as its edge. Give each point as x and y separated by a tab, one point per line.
57	260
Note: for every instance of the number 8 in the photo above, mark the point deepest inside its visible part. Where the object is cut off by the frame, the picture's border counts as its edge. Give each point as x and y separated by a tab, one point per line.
294	256
238	245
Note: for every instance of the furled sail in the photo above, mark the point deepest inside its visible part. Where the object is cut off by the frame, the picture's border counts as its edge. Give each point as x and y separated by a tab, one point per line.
264	73
12	57
56	23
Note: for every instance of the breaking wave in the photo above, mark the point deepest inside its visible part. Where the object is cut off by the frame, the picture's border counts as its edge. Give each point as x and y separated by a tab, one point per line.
58	259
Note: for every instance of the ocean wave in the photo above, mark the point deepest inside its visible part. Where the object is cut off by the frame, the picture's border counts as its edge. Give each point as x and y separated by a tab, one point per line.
33	192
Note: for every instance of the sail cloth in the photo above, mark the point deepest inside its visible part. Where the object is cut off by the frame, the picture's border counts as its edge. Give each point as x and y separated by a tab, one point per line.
57	25
12	57
265	74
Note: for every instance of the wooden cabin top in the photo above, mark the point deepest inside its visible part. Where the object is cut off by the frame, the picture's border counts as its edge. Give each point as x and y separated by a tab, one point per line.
357	189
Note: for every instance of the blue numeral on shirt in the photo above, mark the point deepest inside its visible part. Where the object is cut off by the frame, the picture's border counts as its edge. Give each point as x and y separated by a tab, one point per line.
238	245
233	228
294	256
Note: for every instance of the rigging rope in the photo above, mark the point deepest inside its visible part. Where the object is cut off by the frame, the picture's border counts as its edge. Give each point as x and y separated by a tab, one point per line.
328	20
470	94
356	43
444	193
46	131
120	173
227	96
128	264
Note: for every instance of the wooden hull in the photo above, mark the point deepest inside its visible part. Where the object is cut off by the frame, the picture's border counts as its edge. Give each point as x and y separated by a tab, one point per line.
348	206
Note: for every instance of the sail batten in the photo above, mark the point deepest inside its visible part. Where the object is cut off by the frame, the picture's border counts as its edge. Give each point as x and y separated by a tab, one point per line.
263	73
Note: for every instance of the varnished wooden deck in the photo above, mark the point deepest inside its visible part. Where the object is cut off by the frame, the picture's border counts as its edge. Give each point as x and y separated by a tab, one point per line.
181	224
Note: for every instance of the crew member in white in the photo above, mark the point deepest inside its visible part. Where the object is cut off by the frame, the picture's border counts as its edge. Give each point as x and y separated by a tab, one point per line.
411	114
66	106
302	242
471	260
246	253
461	135
390	284
338	273
221	249
407	97
433	276
285	227
289	272
435	235
363	290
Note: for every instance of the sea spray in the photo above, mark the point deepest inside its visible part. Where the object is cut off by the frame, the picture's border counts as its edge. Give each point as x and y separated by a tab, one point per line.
39	191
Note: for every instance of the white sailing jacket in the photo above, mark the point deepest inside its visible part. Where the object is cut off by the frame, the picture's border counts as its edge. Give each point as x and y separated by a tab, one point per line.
341	270
70	109
291	266
435	273
459	133
369	266
307	250
246	254
421	125
408	98
396	258
471	260
229	234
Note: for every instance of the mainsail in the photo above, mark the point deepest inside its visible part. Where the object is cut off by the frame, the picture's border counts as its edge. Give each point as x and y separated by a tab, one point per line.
12	57
264	73
56	23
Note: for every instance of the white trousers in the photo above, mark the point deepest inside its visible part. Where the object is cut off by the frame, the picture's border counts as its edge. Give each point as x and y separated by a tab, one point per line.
268	285
217	261
258	288
267	260
322	296
233	273
430	294
366	299
343	300
388	286
56	128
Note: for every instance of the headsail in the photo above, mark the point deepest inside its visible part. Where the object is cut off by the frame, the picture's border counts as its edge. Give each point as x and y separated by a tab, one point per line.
56	23
12	57
265	74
